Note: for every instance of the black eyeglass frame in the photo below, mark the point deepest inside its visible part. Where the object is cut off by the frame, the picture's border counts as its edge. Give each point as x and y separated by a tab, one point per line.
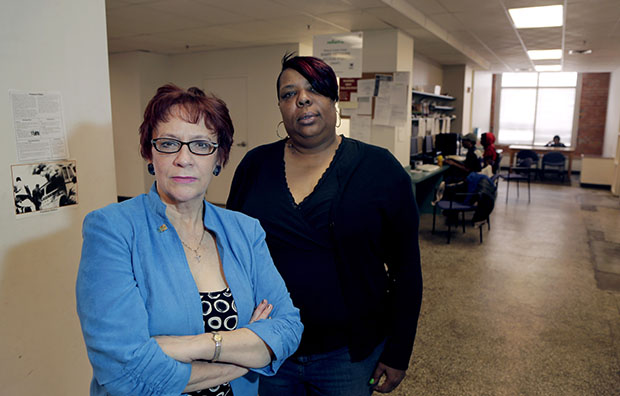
213	144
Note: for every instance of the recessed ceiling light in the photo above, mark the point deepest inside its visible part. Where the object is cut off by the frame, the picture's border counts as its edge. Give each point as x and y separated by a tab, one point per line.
548	68
580	52
545	54
537	17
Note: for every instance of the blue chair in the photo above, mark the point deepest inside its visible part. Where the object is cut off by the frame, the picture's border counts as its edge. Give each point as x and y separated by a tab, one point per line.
451	204
554	160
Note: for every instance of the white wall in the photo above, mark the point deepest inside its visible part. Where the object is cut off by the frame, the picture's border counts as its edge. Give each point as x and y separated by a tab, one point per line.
612	124
51	46
481	106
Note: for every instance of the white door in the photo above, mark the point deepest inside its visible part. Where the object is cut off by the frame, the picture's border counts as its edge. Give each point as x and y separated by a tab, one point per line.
233	91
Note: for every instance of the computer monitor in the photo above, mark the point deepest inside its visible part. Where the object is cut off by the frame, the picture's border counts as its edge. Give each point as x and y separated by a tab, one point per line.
446	143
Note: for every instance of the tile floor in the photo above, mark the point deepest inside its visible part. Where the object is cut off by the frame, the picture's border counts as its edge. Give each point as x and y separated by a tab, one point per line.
534	310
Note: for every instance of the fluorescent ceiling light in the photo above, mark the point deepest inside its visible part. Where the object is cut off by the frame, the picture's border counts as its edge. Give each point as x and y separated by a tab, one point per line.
580	52
545	54
537	17
548	68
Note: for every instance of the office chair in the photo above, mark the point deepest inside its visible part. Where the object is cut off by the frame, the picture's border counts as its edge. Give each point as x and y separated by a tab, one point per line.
553	160
480	203
529	159
526	163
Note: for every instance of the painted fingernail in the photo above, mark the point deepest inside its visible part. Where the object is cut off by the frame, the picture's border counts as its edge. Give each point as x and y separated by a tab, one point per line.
372	381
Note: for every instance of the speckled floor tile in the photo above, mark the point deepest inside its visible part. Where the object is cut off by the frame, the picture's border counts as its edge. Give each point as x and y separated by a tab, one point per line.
522	313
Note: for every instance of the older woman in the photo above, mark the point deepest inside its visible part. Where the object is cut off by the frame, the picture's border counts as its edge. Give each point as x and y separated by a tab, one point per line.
176	295
342	228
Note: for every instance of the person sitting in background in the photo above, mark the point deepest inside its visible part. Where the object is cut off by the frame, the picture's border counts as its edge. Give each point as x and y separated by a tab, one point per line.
555	142
176	295
459	170
490	155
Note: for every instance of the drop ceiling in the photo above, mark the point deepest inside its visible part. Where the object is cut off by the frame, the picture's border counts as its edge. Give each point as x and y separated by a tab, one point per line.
475	32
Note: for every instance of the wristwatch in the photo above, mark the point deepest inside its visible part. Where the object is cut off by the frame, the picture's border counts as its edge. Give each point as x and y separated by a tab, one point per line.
217	339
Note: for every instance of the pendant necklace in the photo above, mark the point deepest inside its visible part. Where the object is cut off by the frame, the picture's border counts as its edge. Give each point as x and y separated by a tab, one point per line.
196	255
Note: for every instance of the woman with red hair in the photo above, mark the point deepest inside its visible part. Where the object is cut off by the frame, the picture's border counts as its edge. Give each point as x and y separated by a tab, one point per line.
176	295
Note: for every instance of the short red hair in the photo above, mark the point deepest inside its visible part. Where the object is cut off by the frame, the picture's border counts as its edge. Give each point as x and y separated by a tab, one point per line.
193	106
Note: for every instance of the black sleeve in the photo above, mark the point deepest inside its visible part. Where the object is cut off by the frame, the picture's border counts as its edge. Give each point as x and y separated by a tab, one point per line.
472	163
405	272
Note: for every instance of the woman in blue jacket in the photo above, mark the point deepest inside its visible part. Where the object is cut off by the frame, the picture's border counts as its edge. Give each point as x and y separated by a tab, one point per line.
176	295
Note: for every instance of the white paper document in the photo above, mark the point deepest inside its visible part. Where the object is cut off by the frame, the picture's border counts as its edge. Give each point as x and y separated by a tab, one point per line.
365	87
383	111
39	127
364	105
360	128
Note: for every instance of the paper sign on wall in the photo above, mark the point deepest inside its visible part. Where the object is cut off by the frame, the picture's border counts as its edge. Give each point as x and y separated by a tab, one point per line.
40	133
343	52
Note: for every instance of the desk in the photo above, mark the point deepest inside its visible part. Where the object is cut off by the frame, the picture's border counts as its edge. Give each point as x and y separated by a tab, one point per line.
567	151
424	185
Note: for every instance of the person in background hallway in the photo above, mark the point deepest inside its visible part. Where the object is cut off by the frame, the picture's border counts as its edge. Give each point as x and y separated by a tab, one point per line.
555	142
342	228
176	295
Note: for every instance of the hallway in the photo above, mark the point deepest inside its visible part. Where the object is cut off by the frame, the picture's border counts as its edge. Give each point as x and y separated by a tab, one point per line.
534	310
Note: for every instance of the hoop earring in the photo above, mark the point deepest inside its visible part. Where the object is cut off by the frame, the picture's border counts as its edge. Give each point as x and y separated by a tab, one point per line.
278	130
339	117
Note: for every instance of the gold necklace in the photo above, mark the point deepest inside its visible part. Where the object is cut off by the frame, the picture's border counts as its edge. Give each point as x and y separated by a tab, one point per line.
196	255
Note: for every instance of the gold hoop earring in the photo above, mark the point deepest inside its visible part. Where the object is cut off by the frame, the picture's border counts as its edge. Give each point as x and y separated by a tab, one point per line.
339	117
278	130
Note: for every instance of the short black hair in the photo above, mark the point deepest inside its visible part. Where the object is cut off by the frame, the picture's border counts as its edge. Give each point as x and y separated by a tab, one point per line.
319	74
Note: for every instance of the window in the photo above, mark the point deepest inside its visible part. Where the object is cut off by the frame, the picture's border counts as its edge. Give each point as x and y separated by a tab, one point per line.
534	107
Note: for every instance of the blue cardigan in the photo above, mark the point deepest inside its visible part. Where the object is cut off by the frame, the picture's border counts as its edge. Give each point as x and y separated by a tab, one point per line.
134	283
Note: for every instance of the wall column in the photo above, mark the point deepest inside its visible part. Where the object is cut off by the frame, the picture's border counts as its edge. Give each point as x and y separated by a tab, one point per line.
390	51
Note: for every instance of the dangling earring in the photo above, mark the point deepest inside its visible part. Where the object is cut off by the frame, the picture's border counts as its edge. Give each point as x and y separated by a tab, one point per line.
217	170
151	169
278	130
339	117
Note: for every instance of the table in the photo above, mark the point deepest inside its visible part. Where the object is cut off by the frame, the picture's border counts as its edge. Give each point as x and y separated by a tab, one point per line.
567	151
424	185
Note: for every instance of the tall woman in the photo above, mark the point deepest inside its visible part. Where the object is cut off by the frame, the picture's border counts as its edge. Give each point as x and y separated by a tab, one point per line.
342	228
176	295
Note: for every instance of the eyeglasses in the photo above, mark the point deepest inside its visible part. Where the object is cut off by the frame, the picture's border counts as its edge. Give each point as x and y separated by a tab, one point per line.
171	146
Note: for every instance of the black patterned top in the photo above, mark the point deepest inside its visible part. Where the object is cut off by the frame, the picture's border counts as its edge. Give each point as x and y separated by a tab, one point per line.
219	312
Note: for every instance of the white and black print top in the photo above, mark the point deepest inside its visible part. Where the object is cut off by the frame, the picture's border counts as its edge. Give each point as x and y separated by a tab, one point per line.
219	312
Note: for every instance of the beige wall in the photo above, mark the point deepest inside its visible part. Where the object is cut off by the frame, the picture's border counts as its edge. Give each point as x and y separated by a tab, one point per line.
426	73
51	46
457	82
389	51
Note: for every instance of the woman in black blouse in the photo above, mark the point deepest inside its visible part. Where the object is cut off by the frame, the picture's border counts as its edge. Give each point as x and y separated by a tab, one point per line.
342	228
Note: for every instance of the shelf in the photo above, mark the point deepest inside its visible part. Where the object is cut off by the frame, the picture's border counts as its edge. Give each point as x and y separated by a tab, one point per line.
444	108
430	95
